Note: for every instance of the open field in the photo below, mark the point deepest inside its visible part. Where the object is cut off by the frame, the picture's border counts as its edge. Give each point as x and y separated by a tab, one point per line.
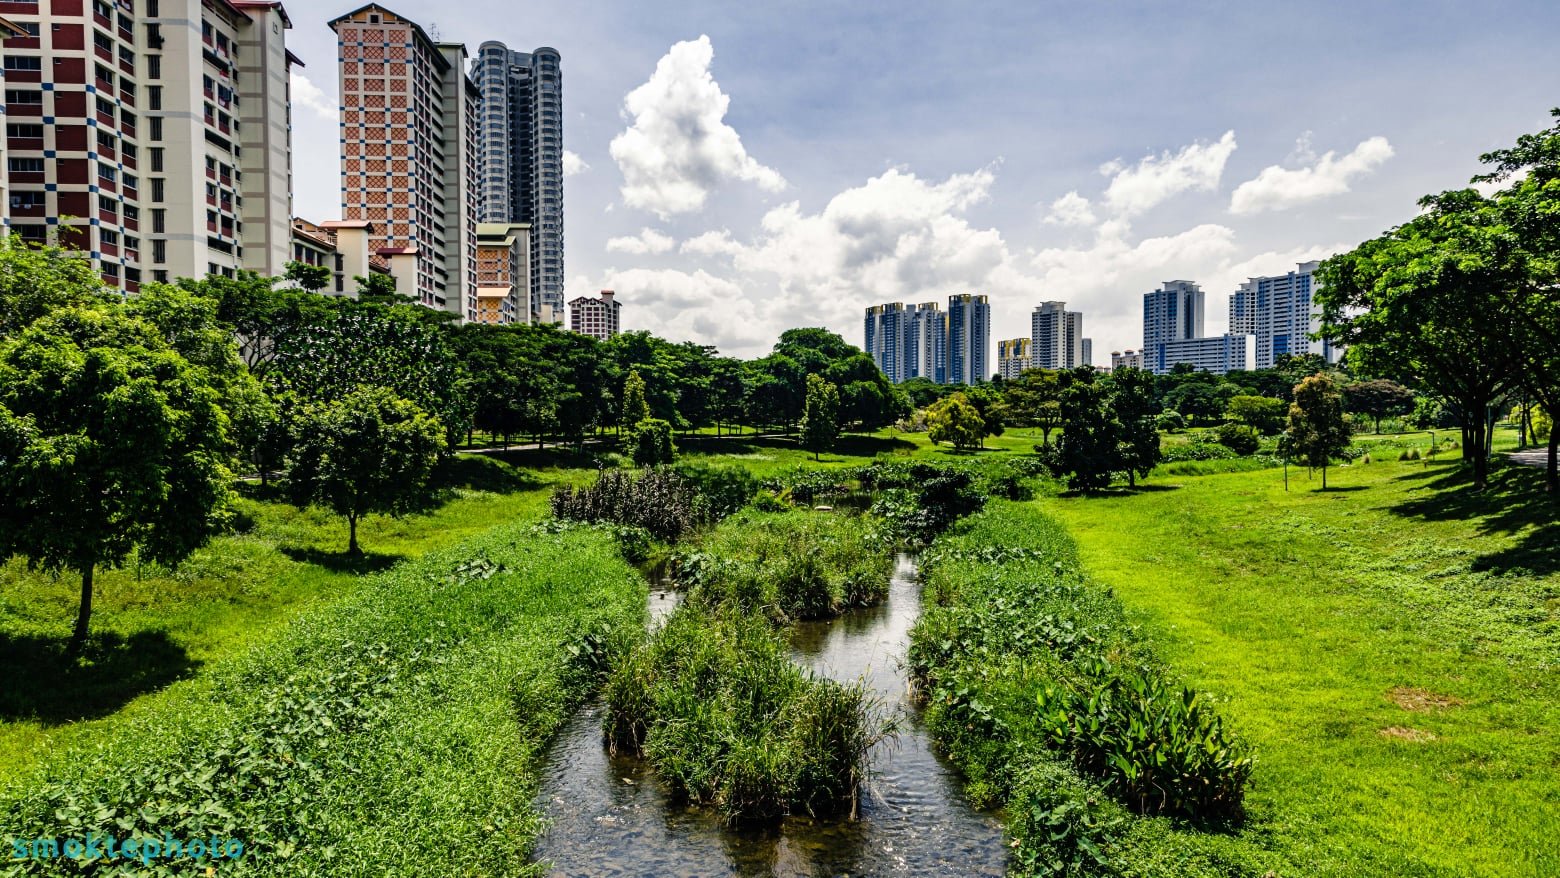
1389	646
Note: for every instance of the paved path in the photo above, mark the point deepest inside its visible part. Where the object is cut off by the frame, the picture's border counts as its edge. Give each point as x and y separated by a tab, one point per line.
1538	457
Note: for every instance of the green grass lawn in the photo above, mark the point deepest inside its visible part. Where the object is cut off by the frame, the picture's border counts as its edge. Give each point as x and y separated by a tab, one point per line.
1390	646
152	627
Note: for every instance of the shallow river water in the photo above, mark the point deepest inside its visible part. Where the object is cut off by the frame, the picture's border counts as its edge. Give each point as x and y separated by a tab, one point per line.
611	816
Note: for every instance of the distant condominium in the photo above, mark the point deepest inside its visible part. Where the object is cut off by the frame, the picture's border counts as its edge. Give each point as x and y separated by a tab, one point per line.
1056	337
503	273
1172	312
595	316
407	165
156	133
1219	354
908	342
922	341
520	146
1013	357
1127	359
969	338
1279	311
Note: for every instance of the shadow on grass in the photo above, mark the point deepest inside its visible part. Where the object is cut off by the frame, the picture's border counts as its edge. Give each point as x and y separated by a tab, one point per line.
342	562
267	493
483	472
1514	504
561	457
1342	489
43	685
1118	491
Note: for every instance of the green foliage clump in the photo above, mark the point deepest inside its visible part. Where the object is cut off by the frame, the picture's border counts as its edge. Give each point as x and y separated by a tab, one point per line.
820	426
658	500
918	500
398	725
652	442
953	419
713	701
791	565
1198	448
720	489
1043	694
1240	439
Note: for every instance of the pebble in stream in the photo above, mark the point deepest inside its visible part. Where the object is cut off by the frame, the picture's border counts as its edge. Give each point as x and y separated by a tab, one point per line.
612	817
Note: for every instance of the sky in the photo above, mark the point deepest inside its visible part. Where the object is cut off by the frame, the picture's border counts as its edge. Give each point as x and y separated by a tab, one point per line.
734	170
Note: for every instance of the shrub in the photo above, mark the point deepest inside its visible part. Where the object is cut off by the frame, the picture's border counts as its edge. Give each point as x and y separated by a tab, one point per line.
713	701
720	489
1197	449
658	500
929	499
652	440
1170	422
1239	439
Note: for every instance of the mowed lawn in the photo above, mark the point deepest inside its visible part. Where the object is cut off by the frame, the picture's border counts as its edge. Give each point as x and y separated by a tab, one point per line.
1391	647
153	627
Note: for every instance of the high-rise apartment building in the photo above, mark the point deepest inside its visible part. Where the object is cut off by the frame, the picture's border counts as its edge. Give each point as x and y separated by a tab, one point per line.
926	343
595	316
1219	354
1088	352
504	273
408	143
1243	309
884	333
1172	312
1013	357
152	137
1283	315
9	30
969	338
520	142
1056	336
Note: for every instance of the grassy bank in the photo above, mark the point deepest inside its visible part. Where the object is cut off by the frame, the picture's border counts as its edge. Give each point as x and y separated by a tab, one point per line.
1053	706
395	730
1389	646
154	626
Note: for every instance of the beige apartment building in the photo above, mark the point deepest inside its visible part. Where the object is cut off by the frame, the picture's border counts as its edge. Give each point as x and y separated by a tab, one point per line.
596	316
504	273
154	137
408	114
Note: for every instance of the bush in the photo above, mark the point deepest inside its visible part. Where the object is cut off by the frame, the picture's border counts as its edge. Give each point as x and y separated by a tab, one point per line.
918	500
1170	422
1241	440
720	489
1197	449
652	440
713	701
658	500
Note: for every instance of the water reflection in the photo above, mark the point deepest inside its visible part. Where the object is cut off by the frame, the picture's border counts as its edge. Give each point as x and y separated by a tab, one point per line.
612	817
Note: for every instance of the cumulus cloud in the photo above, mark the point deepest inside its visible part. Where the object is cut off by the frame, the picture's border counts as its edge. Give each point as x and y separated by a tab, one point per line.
1135	189
573	164
683	306
1071	209
309	96
678	147
712	244
647	241
1279	188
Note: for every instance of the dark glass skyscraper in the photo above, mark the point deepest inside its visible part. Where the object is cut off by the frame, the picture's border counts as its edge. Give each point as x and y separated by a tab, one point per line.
520	145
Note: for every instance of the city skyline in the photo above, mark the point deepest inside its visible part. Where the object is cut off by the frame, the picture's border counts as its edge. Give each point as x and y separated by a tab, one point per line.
732	172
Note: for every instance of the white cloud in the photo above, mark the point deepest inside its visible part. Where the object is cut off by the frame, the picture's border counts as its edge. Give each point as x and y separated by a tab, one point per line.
573	164
647	241
1278	188
712	244
683	306
1136	189
1071	209
679	148
309	96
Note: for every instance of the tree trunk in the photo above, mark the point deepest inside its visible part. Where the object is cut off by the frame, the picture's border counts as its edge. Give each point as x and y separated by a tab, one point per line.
78	638
1324	475
1552	478
352	543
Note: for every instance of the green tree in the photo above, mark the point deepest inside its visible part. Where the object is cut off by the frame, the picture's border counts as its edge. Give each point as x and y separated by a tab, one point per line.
263	316
1134	411
820	416
376	347
990	404
1426	304
310	277
380	289
652	438
635	408
1262	414
111	445
1034	400
1318	430
369	451
1377	399
953	419
1091	435
36	280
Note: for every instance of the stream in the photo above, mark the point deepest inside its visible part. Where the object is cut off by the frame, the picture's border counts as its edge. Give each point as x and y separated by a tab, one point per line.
612	817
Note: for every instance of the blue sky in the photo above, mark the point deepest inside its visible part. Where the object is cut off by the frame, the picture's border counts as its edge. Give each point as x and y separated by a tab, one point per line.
743	168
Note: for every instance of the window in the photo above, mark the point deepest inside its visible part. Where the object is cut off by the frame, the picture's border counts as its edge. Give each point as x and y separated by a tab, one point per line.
105	107
157	190
20	62
159	251
156	133
108	205
154	66
131	182
106	172
24	132
25	200
132	212
159	220
154	97
157	154
108	237
105	139
20	96
26	166
104	42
